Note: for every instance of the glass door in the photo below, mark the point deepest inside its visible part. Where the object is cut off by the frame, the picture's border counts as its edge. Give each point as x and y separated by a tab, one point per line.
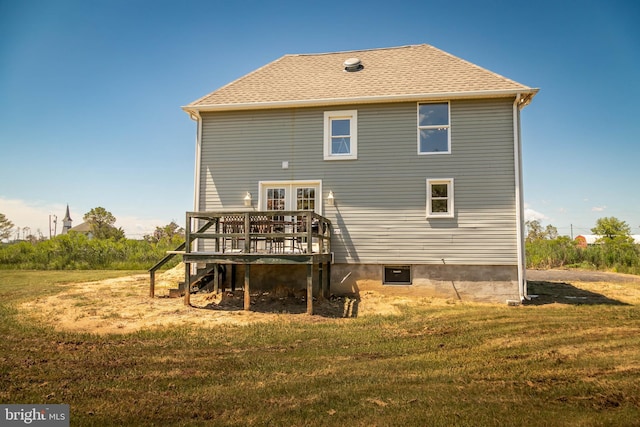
290	196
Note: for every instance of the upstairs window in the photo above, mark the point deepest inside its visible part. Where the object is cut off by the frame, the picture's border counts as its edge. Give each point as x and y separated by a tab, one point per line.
433	129
341	135
440	198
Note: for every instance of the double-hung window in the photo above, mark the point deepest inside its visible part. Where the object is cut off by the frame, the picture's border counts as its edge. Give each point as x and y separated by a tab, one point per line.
440	198
341	135
434	136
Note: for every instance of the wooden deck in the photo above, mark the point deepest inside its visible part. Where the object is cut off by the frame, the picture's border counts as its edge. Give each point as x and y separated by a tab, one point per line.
259	237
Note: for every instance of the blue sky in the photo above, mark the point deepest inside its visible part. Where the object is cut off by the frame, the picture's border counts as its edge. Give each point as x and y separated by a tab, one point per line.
90	94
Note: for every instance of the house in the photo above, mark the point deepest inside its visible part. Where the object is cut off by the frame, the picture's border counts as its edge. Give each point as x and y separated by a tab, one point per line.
412	155
82	228
584	240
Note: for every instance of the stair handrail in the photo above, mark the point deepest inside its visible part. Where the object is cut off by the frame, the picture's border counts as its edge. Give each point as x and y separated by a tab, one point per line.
167	257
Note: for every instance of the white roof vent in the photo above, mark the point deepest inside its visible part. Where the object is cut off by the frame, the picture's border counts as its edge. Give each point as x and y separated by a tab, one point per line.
353	64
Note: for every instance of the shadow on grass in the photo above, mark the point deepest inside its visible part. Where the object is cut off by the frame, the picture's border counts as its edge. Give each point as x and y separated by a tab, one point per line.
543	292
266	302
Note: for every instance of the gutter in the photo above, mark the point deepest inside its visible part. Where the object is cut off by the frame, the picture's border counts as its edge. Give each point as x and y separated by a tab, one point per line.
524	98
518	104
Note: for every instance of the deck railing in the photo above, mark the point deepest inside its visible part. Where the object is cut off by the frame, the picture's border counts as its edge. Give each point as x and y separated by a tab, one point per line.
258	232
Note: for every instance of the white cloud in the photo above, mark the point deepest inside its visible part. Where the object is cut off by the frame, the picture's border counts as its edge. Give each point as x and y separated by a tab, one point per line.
532	215
136	228
598	208
36	216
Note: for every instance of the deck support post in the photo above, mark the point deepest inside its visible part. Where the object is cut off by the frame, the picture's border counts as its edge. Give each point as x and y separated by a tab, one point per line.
152	283
233	277
320	281
247	295
328	279
187	284
309	288
323	280
216	279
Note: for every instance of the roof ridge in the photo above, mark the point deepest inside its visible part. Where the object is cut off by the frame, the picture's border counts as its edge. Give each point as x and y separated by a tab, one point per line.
401	72
358	50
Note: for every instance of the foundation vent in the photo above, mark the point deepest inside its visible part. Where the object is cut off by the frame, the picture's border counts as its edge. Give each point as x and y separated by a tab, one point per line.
397	275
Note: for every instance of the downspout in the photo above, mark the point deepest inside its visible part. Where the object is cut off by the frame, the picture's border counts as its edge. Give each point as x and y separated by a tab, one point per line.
196	179
517	149
195	115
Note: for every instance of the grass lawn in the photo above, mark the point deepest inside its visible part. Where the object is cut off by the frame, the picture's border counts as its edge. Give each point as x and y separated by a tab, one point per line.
434	364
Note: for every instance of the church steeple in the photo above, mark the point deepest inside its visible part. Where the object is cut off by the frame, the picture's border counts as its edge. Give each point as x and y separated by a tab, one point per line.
66	222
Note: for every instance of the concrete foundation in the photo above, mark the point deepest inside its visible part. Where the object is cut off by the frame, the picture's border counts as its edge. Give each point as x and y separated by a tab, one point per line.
482	283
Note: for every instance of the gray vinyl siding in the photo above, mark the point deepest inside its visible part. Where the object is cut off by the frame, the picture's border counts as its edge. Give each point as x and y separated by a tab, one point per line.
380	208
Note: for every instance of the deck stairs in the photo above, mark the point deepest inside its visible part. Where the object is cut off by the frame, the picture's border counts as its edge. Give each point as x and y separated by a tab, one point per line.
201	281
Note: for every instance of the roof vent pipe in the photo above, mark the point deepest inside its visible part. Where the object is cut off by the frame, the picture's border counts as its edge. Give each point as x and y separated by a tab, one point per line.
353	64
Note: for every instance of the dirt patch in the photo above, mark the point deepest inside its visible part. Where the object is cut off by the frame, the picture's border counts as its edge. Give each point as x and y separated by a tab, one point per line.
581	287
123	305
566	275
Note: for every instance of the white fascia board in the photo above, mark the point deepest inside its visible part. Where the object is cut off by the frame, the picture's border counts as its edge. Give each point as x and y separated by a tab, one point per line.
526	94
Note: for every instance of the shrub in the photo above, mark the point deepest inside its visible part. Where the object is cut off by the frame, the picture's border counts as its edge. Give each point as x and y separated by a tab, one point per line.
75	251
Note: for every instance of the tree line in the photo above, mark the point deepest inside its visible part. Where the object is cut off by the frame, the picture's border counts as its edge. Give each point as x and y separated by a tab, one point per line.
106	247
614	250
103	247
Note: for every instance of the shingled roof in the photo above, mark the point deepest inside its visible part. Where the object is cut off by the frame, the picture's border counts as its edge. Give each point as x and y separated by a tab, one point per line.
416	72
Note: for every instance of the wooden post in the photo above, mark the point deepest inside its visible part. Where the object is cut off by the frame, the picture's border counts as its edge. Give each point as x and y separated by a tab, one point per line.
328	274
247	228
152	283
308	223
187	266
217	231
320	281
247	295
233	277
187	284
216	278
309	288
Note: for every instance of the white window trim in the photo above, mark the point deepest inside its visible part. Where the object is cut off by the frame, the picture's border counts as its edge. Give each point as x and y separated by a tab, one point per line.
352	115
262	185
450	200
448	126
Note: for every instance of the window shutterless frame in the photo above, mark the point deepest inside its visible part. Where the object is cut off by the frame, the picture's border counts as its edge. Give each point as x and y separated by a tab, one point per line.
341	135
440	198
434	128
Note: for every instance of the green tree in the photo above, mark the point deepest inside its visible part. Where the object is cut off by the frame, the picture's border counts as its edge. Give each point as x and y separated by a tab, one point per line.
551	232
101	222
536	232
167	233
612	229
5	227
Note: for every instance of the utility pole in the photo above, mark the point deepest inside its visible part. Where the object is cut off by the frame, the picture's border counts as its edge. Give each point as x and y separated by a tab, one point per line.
571	231
55	221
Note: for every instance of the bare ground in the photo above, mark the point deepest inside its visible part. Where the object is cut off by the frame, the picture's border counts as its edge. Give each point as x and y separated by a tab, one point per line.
123	305
582	287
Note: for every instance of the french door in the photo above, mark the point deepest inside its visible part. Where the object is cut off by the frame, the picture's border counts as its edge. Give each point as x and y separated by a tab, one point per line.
290	196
